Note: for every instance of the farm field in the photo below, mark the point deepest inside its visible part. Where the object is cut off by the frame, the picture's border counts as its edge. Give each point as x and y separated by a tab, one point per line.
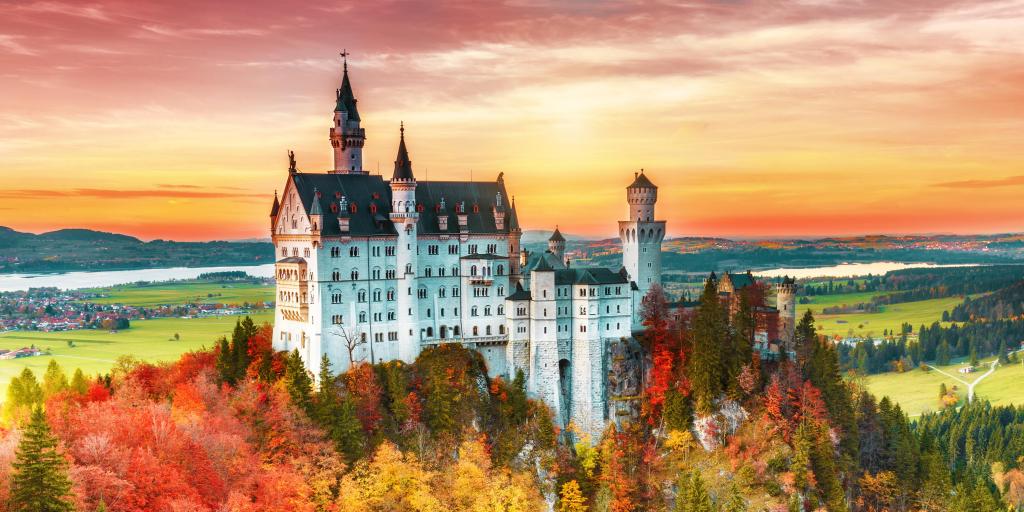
818	302
1005	386
174	293
890	318
96	350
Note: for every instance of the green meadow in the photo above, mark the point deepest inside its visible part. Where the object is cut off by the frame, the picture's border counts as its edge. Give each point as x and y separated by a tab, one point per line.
186	292
917	391
890	317
95	351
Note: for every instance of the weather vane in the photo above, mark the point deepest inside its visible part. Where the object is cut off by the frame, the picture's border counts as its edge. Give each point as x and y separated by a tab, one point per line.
344	57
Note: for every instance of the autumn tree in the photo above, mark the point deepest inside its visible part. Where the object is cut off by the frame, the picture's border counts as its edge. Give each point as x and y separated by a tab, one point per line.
40	482
23	393
571	499
54	380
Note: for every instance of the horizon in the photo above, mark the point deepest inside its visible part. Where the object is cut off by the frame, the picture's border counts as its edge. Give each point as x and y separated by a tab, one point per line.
757	121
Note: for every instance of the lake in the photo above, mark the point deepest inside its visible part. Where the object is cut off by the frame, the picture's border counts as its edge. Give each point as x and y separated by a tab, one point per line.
76	280
851	269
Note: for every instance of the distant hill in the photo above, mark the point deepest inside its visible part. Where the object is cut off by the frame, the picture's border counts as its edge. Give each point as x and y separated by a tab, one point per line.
86	249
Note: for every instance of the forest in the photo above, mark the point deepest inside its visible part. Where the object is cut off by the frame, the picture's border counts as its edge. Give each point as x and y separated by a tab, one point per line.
242	427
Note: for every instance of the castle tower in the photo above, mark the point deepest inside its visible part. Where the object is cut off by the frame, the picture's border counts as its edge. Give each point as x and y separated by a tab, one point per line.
641	237
785	302
544	379
556	244
404	216
347	138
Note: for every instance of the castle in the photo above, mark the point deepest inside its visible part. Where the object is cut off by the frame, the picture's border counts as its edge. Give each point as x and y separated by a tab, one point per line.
370	270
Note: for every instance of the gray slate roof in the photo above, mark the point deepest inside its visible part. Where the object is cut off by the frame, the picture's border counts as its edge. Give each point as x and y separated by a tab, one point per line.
364	190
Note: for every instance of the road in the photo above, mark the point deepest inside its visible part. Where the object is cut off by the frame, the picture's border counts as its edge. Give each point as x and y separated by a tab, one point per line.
970	385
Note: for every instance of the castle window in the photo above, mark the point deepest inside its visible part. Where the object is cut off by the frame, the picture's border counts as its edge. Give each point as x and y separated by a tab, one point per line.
408	268
441	292
336	298
487	311
473	311
295	252
455	291
391	294
472	248
305	252
335	252
428	312
501	329
432	250
455	270
442	313
501	310
376	295
376	273
361	296
488	330
428	272
453	249
501	270
430	332
455	330
336	276
476	331
354	275
353	251
391	315
389	273
421	293
284	252
501	291
472	270
336	319
440	271
362	317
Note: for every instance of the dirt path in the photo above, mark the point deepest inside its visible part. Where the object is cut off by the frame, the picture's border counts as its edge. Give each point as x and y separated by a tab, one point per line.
970	385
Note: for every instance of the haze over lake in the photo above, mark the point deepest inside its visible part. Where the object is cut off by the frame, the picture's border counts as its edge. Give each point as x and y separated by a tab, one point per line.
76	280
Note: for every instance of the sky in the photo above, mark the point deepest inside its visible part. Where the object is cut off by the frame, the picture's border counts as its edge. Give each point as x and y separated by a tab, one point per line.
755	118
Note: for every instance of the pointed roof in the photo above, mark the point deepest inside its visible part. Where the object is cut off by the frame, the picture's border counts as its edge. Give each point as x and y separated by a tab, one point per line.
276	207
346	98
403	166
556	236
315	208
543	265
519	293
640	181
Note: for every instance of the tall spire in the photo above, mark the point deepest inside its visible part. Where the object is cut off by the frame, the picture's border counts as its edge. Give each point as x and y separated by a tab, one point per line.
403	166
346	100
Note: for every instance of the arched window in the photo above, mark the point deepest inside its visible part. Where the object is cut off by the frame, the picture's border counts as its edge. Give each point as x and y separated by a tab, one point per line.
336	275
472	270
476	331
501	329
455	331
355	275
408	268
501	270
353	251
487	311
376	295
362	317
430	332
391	294
473	311
488	330
501	310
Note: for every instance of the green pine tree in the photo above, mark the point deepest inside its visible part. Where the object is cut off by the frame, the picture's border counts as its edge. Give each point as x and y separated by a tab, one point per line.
742	352
225	361
709	331
736	501
39	482
54	380
942	354
1003	358
79	384
298	383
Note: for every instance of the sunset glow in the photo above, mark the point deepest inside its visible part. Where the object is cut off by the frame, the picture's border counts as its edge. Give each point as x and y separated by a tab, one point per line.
755	118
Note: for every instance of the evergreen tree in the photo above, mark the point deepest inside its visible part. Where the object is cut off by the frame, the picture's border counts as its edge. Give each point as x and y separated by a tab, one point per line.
39	482
54	380
692	496
709	328
1003	359
741	353
337	415
942	354
736	501
974	356
78	382
225	361
298	383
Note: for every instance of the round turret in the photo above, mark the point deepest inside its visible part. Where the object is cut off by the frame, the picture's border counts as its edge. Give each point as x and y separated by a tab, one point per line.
641	195
556	244
785	302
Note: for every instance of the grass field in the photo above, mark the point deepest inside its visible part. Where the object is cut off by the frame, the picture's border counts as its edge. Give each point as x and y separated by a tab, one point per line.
890	317
817	302
175	293
917	391
95	350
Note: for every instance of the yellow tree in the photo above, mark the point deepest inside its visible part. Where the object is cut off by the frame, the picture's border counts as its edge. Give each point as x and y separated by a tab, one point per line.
572	499
389	482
